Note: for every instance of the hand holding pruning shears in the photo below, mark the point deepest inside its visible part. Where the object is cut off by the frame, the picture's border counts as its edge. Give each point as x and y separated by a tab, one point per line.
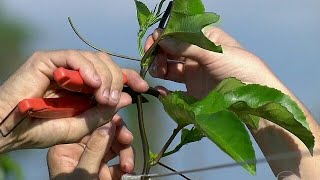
35	79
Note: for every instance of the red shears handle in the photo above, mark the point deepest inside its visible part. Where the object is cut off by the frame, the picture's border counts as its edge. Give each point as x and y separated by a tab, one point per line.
62	107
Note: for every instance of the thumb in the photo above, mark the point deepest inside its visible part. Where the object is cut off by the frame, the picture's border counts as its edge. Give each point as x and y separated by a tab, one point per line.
98	144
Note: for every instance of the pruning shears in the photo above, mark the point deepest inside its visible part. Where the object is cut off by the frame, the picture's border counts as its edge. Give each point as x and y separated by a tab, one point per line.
61	107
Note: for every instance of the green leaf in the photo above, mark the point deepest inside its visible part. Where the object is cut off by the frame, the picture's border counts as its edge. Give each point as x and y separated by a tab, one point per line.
143	13
177	105
212	103
228	84
186	22
189	7
273	105
187	136
252	121
226	130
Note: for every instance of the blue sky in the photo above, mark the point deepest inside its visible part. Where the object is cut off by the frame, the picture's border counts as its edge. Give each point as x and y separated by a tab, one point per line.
285	34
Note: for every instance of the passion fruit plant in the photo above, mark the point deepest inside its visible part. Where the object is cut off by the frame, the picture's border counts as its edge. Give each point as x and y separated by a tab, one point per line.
222	116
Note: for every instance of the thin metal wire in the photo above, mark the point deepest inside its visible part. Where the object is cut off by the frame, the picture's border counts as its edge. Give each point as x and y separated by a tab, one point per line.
279	156
173	170
99	49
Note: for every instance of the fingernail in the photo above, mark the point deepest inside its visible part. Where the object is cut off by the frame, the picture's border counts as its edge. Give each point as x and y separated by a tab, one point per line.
115	95
154	69
106	94
96	78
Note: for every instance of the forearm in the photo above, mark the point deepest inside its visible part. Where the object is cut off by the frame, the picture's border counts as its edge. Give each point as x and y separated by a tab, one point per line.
274	140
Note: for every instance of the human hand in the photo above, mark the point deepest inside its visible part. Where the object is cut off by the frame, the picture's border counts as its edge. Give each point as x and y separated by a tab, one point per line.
87	159
35	79
202	68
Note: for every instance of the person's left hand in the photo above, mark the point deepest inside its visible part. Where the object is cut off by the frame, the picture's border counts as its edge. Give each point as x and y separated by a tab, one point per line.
34	79
87	159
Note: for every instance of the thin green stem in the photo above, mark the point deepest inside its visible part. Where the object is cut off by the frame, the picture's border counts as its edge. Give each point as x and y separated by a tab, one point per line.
173	151
165	147
144	139
99	49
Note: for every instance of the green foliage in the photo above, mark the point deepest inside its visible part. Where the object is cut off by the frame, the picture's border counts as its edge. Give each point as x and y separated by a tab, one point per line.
273	105
146	19
187	136
186	21
220	114
226	130
177	105
10	167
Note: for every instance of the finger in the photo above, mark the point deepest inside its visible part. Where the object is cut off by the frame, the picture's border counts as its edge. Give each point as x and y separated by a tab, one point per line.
159	67
148	43
88	121
102	94
62	159
116	81
163	91
169	70
123	135
75	60
135	81
98	144
113	172
126	156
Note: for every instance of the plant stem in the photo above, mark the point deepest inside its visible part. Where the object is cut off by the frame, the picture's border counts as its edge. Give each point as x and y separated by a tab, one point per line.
148	57
173	170
99	49
173	151
145	145
167	144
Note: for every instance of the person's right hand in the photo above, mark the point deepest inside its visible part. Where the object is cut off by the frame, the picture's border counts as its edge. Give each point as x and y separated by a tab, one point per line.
202	70
205	69
35	79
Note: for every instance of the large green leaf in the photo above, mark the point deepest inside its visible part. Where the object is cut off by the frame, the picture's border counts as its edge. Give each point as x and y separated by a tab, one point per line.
143	13
177	105
187	136
250	120
229	133
229	84
186	22
189	7
273	105
211	118
212	103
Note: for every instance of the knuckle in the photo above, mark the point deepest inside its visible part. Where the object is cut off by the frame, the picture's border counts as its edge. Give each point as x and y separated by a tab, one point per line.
104	56
71	53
